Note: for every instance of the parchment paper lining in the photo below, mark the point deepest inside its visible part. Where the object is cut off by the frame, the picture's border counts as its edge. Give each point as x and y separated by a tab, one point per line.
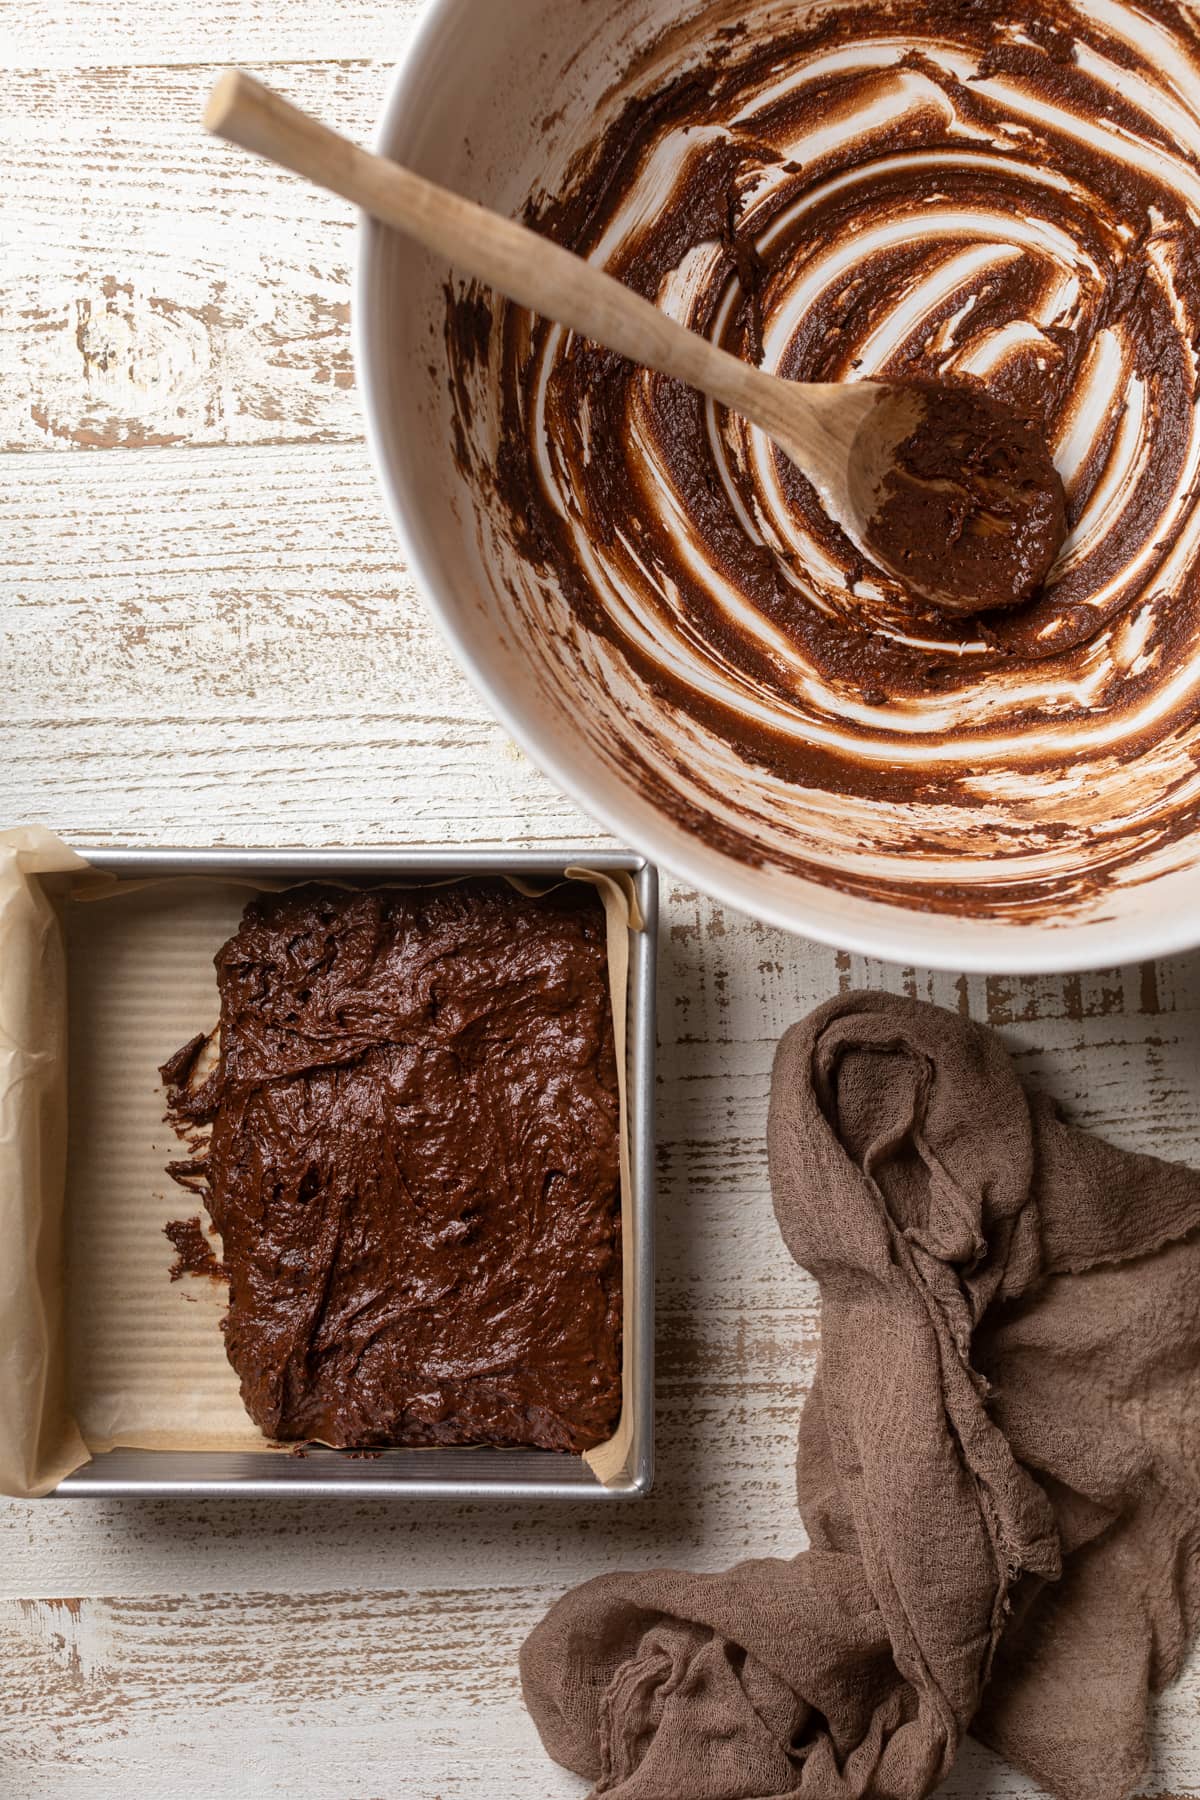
144	1364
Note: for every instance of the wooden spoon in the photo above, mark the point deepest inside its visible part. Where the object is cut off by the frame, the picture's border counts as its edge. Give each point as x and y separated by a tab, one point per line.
949	490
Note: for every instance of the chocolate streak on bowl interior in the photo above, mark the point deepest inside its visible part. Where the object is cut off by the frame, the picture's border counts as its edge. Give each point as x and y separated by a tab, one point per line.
756	679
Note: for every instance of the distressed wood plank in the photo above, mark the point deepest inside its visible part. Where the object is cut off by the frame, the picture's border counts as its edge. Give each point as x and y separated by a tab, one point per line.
275	1687
215	644
66	34
158	287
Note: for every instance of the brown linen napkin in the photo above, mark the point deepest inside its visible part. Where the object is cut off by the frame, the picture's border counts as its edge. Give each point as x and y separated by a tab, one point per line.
998	1469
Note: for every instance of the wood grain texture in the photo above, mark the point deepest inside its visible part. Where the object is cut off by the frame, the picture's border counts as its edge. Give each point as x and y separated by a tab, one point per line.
206	636
159	287
128	34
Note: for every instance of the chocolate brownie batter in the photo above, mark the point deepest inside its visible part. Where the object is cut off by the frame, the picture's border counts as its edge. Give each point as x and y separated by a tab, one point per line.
999	197
413	1165
194	1254
972	512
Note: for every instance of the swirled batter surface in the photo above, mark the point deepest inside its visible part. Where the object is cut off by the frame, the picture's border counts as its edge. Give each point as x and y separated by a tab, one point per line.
414	1168
999	195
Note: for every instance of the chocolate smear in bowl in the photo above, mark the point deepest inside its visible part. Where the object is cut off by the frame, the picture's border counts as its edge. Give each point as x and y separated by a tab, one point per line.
999	199
972	513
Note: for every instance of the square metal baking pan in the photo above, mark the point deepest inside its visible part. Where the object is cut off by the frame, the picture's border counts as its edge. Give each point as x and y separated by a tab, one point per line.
475	1474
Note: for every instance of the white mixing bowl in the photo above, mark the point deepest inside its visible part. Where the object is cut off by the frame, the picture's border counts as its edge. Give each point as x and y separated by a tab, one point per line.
489	101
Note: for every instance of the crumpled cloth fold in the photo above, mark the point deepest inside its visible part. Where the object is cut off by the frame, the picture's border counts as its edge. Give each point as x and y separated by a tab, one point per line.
998	1465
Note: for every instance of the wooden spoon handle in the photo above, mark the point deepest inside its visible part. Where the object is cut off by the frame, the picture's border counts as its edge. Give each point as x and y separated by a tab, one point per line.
529	268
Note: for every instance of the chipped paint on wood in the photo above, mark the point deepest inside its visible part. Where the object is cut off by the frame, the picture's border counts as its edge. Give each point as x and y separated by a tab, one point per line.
163	288
114	35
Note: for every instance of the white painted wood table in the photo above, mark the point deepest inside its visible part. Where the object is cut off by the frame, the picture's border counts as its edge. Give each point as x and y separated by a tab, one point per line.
208	637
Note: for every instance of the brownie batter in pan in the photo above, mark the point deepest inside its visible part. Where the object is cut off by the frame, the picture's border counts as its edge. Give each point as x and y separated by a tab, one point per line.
414	1165
1004	197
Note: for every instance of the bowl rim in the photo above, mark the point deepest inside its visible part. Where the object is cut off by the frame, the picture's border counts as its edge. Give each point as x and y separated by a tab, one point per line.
974	945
